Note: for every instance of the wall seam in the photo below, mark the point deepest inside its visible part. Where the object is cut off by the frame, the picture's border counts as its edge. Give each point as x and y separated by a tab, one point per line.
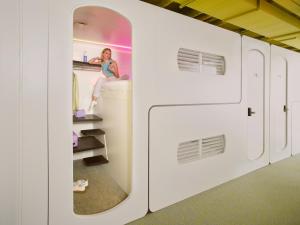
20	110
47	116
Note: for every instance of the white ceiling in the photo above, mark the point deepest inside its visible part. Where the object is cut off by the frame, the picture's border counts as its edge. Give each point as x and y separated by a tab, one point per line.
103	25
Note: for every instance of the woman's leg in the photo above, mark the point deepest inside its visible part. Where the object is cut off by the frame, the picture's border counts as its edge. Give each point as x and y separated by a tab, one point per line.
97	90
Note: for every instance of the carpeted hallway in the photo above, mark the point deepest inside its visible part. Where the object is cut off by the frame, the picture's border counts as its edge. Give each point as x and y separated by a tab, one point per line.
268	196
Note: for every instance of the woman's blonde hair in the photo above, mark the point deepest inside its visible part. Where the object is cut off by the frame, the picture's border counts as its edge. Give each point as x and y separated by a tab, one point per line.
103	51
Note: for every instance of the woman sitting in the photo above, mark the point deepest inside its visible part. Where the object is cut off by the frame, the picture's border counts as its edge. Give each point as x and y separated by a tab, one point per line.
109	72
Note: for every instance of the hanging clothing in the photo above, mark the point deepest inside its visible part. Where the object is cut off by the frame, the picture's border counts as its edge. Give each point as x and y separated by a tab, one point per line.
75	93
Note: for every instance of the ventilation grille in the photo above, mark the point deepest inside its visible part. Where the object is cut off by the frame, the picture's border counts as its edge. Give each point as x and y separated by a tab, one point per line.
190	150
216	62
212	146
195	61
188	60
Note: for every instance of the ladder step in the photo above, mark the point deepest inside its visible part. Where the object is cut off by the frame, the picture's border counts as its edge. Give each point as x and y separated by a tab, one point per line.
93	132
87	118
87	143
95	160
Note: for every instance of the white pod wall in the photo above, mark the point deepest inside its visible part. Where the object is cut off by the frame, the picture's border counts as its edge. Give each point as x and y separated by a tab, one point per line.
140	15
10	105
280	114
189	112
23	81
196	147
208	106
294	101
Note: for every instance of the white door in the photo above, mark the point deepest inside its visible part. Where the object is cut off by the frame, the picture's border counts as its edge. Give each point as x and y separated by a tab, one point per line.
279	97
279	115
255	100
280	82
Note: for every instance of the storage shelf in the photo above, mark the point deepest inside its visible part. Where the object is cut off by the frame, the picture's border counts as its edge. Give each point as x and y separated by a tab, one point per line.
93	132
87	143
87	118
78	65
95	160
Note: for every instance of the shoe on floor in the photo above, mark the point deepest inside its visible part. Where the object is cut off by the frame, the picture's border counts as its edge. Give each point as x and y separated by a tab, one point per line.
80	185
82	182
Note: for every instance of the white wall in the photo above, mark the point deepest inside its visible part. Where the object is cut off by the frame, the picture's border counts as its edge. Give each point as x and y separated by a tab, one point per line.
172	125
192	106
157	83
171	181
30	87
34	116
23	85
10	112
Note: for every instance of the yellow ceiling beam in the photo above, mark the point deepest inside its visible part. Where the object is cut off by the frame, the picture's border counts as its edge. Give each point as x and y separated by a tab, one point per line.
292	39
257	16
290	5
277	20
268	21
164	3
220	9
285	36
295	42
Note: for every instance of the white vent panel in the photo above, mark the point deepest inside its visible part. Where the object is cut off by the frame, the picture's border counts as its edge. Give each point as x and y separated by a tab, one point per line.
188	60
202	62
188	151
212	146
214	61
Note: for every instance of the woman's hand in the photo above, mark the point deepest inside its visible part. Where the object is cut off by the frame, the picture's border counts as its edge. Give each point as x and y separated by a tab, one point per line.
95	60
114	69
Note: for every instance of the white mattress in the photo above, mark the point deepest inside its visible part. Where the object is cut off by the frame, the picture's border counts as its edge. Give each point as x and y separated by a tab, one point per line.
118	89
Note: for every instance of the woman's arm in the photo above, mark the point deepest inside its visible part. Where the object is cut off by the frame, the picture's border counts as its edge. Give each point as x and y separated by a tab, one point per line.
95	60
114	69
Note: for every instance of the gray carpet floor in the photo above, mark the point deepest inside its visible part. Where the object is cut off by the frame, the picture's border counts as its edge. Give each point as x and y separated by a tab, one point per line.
268	196
102	193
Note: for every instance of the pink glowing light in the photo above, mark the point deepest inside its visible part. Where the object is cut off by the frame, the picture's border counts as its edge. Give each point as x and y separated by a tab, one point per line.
106	44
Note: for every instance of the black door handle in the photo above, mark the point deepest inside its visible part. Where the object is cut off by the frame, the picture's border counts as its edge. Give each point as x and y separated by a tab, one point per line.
250	112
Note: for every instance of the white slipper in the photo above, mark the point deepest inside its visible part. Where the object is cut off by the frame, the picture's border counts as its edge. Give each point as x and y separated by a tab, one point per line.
82	182
80	185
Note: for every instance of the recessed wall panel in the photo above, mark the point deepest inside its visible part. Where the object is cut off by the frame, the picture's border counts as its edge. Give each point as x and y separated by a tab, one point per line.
192	149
